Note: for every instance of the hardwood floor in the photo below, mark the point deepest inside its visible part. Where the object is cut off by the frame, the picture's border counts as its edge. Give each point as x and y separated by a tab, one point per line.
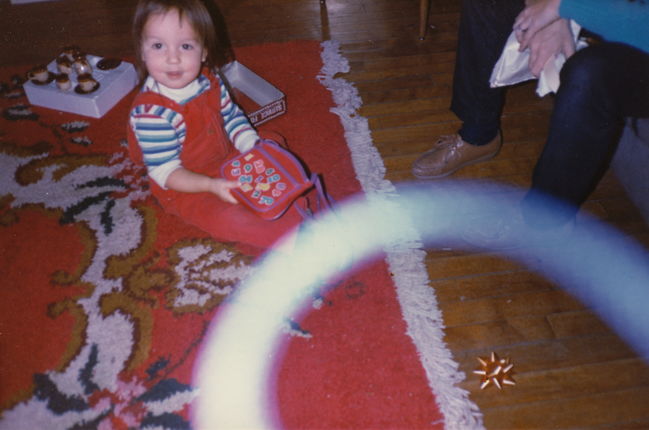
571	370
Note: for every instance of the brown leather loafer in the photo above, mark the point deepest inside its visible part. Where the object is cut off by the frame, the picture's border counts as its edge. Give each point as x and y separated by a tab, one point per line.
451	153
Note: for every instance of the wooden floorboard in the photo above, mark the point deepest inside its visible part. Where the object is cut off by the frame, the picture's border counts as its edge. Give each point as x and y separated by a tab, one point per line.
572	372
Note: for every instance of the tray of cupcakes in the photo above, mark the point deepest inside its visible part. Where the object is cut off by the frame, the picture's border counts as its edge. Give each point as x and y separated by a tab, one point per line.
80	83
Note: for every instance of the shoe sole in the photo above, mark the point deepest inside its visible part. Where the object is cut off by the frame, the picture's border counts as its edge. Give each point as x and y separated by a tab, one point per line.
468	163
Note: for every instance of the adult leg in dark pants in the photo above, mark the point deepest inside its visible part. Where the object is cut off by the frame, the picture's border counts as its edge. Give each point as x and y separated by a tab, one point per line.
600	86
485	26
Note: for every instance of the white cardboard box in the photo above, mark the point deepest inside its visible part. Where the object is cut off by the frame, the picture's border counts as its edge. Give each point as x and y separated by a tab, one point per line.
113	86
267	101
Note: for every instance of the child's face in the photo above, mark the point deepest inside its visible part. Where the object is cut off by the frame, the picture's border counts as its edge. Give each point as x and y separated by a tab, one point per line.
171	50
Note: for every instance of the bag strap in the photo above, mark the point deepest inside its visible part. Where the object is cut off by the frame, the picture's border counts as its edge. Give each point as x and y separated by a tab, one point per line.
322	199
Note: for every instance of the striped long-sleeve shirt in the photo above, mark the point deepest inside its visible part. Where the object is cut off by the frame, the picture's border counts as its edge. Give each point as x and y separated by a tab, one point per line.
161	131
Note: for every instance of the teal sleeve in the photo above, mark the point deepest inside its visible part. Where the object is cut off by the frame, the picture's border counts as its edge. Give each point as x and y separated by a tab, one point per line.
623	21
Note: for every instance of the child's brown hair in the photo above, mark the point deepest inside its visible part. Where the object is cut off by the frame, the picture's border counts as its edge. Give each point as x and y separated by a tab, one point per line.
197	14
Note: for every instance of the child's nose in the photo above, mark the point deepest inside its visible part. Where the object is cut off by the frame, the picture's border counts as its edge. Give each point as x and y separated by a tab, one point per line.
173	56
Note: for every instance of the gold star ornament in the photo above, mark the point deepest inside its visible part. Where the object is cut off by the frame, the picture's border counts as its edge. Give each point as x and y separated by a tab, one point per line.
496	371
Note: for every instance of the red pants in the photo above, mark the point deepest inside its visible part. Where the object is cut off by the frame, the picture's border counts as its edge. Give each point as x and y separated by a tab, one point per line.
228	222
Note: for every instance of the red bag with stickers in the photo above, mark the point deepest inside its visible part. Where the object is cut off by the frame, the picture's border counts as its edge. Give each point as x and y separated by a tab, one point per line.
270	179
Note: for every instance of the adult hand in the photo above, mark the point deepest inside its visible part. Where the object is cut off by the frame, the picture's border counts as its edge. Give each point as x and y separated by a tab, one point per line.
537	15
554	39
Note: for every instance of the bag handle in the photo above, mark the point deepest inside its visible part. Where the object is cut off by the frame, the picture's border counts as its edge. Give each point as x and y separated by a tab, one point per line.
323	199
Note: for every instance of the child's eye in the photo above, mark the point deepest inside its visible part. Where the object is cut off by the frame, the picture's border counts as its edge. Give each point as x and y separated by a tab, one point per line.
187	46
156	45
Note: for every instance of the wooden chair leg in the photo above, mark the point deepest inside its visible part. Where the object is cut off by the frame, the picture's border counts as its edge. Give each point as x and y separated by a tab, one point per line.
424	7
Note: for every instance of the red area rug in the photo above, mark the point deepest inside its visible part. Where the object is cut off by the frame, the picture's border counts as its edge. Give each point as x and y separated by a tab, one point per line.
106	299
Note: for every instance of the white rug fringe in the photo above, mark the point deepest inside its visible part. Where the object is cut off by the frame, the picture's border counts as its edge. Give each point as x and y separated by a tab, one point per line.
416	297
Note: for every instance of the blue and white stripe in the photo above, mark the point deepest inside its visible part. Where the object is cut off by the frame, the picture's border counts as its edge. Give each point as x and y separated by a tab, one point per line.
161	131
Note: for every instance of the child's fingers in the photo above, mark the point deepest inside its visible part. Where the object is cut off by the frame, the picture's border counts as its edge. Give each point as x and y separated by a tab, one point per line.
221	188
229	198
227	195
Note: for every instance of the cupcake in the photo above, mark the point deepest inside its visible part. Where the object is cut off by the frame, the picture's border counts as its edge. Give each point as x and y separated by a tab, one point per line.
81	65
64	64
86	82
39	74
63	82
70	52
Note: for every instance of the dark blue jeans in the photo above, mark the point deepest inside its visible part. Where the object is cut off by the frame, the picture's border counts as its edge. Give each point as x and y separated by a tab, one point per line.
601	86
485	26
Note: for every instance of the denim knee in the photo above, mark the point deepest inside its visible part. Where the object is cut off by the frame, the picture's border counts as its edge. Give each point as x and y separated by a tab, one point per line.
591	73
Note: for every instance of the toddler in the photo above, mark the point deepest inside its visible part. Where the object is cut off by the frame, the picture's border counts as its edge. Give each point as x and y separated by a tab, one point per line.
184	125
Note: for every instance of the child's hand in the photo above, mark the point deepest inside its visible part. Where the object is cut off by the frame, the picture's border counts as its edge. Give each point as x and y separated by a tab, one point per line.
222	187
186	181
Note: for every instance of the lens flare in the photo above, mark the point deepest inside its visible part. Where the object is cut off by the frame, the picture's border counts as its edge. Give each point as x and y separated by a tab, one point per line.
606	270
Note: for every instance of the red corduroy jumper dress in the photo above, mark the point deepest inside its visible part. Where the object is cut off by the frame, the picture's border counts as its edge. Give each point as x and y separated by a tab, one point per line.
205	149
